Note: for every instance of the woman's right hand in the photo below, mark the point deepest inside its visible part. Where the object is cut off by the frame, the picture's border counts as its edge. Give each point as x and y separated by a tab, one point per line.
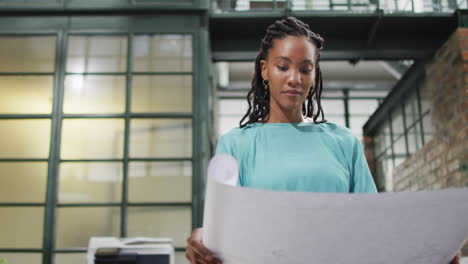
196	253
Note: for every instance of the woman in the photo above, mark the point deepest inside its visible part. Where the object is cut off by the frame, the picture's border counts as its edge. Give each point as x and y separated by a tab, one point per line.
280	144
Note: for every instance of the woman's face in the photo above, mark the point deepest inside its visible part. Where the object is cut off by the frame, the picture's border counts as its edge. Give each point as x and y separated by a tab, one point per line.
290	71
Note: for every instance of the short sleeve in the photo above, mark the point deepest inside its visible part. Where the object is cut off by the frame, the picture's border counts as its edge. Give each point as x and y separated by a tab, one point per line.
361	178
224	146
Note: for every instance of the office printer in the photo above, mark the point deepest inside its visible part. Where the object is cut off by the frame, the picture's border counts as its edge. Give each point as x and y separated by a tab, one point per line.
138	250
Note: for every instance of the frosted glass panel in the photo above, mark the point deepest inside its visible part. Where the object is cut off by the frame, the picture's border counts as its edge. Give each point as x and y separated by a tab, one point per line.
411	110
27	54
336	119
94	94
16	179
21	258
160	182
162	94
397	124
425	98
90	182
414	139
25	138
366	107
70	258
157	138
97	54
162	53
26	94
226	123
172	222
332	107
22	227
76	225
233	107
356	124
92	138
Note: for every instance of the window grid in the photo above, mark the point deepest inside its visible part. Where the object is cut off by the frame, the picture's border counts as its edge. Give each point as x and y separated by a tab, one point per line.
418	122
22	116
57	116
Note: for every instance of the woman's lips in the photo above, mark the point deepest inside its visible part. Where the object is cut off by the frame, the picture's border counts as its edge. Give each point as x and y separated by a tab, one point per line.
292	92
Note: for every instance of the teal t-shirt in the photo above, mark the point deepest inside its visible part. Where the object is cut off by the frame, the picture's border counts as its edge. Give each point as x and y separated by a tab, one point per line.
304	156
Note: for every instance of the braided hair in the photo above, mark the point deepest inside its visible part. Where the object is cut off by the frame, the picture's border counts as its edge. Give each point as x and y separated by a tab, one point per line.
258	98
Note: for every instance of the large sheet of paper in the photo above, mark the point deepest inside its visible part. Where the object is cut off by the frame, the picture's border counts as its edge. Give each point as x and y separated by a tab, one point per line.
252	226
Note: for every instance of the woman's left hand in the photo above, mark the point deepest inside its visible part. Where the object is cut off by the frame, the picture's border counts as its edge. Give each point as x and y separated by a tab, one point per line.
456	259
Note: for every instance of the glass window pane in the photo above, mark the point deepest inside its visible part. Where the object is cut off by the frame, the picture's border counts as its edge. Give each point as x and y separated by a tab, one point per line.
160	138
162	53
230	112
356	124
160	182
389	174
168	93
233	107
97	54
399	148
26	94
70	258
380	143
336	119
76	225
172	222
365	107
27	54
92	138
94	94
381	169
427	125
332	107
16	179
90	182
377	93
425	99
414	138
397	124
411	109
21	258
387	134
399	160
22	227
226	123
25	138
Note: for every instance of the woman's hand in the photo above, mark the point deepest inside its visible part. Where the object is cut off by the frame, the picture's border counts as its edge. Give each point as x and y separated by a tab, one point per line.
456	259
196	253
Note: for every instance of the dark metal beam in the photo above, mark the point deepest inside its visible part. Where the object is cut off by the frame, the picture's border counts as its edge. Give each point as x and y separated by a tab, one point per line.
374	28
348	36
335	55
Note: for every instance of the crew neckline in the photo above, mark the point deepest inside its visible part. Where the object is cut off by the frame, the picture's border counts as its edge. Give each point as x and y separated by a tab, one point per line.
306	122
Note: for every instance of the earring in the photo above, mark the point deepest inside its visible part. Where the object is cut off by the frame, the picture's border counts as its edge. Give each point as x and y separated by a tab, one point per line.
265	84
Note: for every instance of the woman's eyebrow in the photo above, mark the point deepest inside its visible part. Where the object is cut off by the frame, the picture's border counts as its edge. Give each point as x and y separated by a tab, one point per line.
283	58
289	60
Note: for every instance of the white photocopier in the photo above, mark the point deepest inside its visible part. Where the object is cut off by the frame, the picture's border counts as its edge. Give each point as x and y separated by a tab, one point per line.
138	250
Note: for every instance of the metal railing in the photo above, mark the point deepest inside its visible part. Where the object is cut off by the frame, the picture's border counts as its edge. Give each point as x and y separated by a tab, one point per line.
388	6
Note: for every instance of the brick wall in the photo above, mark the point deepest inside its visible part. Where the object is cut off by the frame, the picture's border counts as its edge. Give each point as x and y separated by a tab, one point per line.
443	161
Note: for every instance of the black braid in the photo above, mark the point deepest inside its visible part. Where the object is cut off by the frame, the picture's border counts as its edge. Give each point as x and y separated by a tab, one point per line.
258	97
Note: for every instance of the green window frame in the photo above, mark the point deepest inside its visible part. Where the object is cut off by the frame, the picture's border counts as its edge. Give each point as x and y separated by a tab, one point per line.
97	26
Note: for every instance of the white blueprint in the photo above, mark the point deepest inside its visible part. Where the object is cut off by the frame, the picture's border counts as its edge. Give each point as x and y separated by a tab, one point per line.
251	226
